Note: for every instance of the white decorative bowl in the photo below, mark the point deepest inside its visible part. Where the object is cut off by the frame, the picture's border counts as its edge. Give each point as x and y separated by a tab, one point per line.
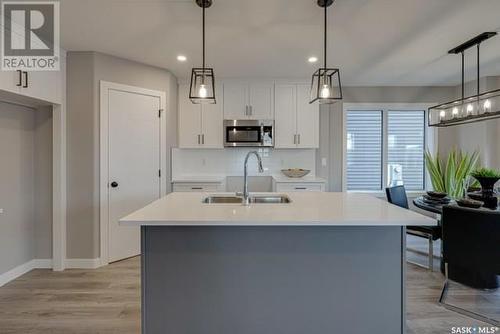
295	172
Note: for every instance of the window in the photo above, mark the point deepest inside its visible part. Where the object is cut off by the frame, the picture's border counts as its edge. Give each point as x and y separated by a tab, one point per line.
364	150
385	147
405	149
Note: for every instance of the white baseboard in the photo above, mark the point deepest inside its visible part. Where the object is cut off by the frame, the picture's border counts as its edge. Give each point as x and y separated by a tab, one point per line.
83	263
23	269
47	264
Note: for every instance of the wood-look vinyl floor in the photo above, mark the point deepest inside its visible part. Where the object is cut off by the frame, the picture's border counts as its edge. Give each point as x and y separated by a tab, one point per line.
107	300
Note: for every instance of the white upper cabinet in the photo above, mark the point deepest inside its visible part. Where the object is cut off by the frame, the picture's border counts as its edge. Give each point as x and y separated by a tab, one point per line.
307	119
297	121
248	100
47	86
285	133
261	101
212	123
200	125
235	100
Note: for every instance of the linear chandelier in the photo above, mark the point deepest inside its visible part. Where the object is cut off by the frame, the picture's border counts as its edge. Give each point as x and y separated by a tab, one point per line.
202	87
475	108
325	86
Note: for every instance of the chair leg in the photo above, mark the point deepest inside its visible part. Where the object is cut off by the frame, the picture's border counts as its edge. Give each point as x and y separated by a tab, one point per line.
431	254
459	310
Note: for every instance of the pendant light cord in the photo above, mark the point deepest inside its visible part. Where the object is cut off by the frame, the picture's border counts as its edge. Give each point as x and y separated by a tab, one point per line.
325	39
478	71
203	22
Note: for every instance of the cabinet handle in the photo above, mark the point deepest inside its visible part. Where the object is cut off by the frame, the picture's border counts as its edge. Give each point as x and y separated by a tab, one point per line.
294	139
20	78
298	139
196	188
251	110
198	139
26	83
247	111
300	188
203	139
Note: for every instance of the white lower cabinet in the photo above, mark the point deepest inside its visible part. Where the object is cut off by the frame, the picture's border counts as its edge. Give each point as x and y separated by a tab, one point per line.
297	187
198	187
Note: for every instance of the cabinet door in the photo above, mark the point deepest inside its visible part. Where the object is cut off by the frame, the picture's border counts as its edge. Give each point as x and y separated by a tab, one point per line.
235	100
212	122
189	120
261	101
9	81
307	119
285	116
44	85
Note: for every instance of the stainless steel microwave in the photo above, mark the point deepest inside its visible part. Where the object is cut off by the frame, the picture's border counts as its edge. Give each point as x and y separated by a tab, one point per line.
248	133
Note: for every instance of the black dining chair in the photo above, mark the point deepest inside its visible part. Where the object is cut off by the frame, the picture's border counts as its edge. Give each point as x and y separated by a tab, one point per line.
471	251
397	196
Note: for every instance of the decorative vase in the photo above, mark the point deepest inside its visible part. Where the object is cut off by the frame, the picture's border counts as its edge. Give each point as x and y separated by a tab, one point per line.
488	191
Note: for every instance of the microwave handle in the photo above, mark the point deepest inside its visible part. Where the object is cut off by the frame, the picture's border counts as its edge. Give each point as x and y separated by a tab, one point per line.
262	134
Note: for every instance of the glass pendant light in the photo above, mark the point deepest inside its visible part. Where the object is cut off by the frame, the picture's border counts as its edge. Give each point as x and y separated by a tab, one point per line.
202	88
325	85
475	108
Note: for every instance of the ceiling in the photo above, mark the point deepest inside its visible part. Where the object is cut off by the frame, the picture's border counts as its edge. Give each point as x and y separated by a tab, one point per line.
374	42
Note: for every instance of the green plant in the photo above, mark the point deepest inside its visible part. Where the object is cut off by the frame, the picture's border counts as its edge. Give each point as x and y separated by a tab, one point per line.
486	172
452	176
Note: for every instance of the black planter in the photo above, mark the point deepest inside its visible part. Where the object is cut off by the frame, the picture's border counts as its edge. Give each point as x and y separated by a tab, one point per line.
488	191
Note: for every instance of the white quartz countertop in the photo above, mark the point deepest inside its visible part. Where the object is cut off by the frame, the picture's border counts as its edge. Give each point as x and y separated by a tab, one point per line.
306	209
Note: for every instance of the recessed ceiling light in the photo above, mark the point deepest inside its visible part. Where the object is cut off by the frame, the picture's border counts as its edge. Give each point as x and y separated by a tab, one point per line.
312	59
181	58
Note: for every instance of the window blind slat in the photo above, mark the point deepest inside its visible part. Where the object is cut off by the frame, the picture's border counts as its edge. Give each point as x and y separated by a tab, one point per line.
364	150
406	142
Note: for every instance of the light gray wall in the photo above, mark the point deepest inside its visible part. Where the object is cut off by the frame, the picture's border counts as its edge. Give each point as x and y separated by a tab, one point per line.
84	72
17	181
331	120
25	185
482	136
43	183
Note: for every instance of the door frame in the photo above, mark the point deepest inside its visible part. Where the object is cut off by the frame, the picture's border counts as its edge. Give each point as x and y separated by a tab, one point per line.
105	87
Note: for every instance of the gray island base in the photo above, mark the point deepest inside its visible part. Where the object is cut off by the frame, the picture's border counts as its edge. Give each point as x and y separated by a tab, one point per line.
273	279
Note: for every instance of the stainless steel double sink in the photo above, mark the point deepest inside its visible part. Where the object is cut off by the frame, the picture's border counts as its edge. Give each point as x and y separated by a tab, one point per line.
256	199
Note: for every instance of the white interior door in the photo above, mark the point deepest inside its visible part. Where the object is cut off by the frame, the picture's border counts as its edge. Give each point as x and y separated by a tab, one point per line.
134	164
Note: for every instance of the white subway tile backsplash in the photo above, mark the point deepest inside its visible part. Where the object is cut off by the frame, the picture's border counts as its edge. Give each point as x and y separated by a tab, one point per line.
229	162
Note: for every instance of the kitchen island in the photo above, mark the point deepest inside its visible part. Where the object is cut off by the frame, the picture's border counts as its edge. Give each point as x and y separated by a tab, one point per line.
314	263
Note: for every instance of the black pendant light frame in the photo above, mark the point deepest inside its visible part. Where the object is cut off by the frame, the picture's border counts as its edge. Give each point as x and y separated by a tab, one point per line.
482	106
326	76
202	76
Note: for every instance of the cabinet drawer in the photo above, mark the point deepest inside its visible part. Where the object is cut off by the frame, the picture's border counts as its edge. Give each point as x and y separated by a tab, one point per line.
197	187
292	187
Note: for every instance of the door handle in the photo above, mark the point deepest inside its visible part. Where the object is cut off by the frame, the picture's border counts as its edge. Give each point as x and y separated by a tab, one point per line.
26	83
20	78
114	184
